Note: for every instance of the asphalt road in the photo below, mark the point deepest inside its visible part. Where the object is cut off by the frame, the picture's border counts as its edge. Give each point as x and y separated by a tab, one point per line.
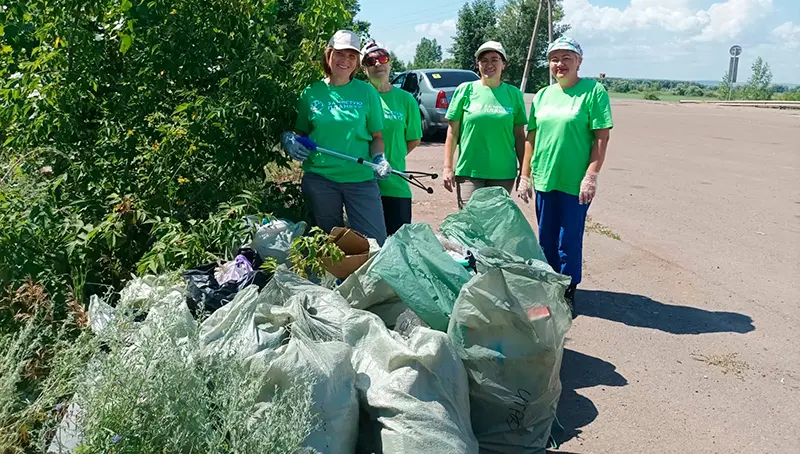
689	328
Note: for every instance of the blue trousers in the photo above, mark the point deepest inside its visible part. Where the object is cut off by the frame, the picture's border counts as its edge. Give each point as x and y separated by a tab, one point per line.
362	201
561	225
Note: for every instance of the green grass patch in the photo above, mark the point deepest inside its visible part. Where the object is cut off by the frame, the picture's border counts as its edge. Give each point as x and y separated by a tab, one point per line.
668	97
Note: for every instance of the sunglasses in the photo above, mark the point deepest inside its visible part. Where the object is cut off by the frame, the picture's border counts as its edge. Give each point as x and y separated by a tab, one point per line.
372	61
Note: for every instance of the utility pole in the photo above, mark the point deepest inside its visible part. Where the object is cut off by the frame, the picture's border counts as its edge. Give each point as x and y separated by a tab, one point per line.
549	30
530	49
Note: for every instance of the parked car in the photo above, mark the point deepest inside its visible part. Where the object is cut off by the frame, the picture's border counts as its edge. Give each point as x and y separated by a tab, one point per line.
433	89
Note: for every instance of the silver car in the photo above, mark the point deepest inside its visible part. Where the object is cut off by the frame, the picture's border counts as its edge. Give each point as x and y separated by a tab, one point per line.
433	89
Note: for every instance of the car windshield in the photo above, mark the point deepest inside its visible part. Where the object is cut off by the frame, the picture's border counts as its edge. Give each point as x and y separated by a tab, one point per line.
440	79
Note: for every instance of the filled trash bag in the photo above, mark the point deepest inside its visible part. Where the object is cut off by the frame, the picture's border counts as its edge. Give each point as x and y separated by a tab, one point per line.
292	330
413	390
365	290
274	238
508	326
419	270
205	293
492	219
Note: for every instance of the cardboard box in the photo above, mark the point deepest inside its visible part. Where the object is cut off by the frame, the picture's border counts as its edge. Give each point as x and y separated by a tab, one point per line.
356	252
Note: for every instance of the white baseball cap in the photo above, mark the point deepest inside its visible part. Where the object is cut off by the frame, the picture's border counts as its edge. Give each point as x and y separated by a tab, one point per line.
372	46
345	39
491	46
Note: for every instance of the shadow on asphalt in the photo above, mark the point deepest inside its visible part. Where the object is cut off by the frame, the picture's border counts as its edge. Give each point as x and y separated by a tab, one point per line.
642	312
581	371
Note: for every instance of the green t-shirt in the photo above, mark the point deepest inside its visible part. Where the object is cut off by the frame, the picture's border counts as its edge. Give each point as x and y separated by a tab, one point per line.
565	121
488	117
401	124
340	119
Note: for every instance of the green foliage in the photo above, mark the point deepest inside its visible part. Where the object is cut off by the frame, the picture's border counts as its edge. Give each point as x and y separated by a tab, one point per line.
759	85
514	28
428	54
307	253
41	364
477	23
650	96
131	129
791	95
398	65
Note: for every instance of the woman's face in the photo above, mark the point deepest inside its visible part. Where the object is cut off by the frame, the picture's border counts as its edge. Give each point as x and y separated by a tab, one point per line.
491	65
378	65
343	62
564	64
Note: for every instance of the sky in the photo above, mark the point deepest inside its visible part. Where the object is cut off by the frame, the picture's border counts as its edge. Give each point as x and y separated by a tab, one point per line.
657	39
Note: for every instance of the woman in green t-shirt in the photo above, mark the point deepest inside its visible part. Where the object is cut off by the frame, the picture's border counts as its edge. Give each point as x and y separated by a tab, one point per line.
402	131
487	122
568	133
344	115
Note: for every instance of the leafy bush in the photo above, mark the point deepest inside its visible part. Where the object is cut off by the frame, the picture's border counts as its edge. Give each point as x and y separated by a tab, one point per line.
134	133
650	96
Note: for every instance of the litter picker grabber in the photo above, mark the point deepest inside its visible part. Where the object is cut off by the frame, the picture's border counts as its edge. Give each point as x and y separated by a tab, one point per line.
412	177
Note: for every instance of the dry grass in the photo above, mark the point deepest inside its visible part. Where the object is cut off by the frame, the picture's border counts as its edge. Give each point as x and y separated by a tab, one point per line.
728	363
596	227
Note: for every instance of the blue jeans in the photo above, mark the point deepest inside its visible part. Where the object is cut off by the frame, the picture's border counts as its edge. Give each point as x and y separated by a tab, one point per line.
362	201
561	225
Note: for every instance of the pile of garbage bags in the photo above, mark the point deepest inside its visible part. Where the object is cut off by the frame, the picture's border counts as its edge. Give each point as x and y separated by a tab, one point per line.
413	352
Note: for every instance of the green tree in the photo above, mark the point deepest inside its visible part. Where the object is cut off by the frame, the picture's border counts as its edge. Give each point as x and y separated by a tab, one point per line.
477	23
759	85
128	127
428	54
514	28
398	65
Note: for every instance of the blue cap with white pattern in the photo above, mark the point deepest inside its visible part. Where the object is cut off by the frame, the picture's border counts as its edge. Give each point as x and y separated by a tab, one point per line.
565	43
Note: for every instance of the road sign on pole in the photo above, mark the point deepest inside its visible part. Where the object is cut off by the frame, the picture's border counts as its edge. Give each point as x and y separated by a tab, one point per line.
733	67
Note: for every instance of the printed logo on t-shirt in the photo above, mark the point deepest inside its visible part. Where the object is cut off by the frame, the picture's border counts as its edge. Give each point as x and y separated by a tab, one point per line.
392	115
317	106
490	108
558	111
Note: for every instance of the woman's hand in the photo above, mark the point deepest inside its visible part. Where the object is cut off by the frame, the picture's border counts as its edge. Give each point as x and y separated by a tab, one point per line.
588	188
525	190
449	178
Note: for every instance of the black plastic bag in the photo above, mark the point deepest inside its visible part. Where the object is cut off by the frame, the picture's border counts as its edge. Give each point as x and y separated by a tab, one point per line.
205	294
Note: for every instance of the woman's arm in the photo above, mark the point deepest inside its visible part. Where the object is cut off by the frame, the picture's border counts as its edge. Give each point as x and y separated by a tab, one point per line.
589	183
411	144
376	146
448	176
528	156
519	144
599	147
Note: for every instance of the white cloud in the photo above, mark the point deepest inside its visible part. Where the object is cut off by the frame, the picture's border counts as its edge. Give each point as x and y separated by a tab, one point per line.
721	21
788	34
445	29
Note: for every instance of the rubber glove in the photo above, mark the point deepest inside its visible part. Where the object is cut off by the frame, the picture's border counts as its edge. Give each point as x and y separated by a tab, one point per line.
588	188
298	147
383	169
525	190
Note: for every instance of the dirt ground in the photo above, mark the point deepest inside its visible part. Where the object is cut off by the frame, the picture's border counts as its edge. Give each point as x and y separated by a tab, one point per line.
688	333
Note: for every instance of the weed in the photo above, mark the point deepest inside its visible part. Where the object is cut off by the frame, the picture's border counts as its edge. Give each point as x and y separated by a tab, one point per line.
728	363
596	227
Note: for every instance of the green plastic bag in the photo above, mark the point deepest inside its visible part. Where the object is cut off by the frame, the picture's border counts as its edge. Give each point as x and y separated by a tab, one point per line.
508	327
420	271
492	219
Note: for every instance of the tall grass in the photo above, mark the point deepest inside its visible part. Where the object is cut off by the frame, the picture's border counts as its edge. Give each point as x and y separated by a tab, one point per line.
144	387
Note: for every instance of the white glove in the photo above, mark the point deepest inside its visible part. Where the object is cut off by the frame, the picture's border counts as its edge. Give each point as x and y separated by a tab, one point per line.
382	170
588	188
525	190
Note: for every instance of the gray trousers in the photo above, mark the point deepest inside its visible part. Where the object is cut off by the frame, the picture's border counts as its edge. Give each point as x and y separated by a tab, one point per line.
465	186
362	201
